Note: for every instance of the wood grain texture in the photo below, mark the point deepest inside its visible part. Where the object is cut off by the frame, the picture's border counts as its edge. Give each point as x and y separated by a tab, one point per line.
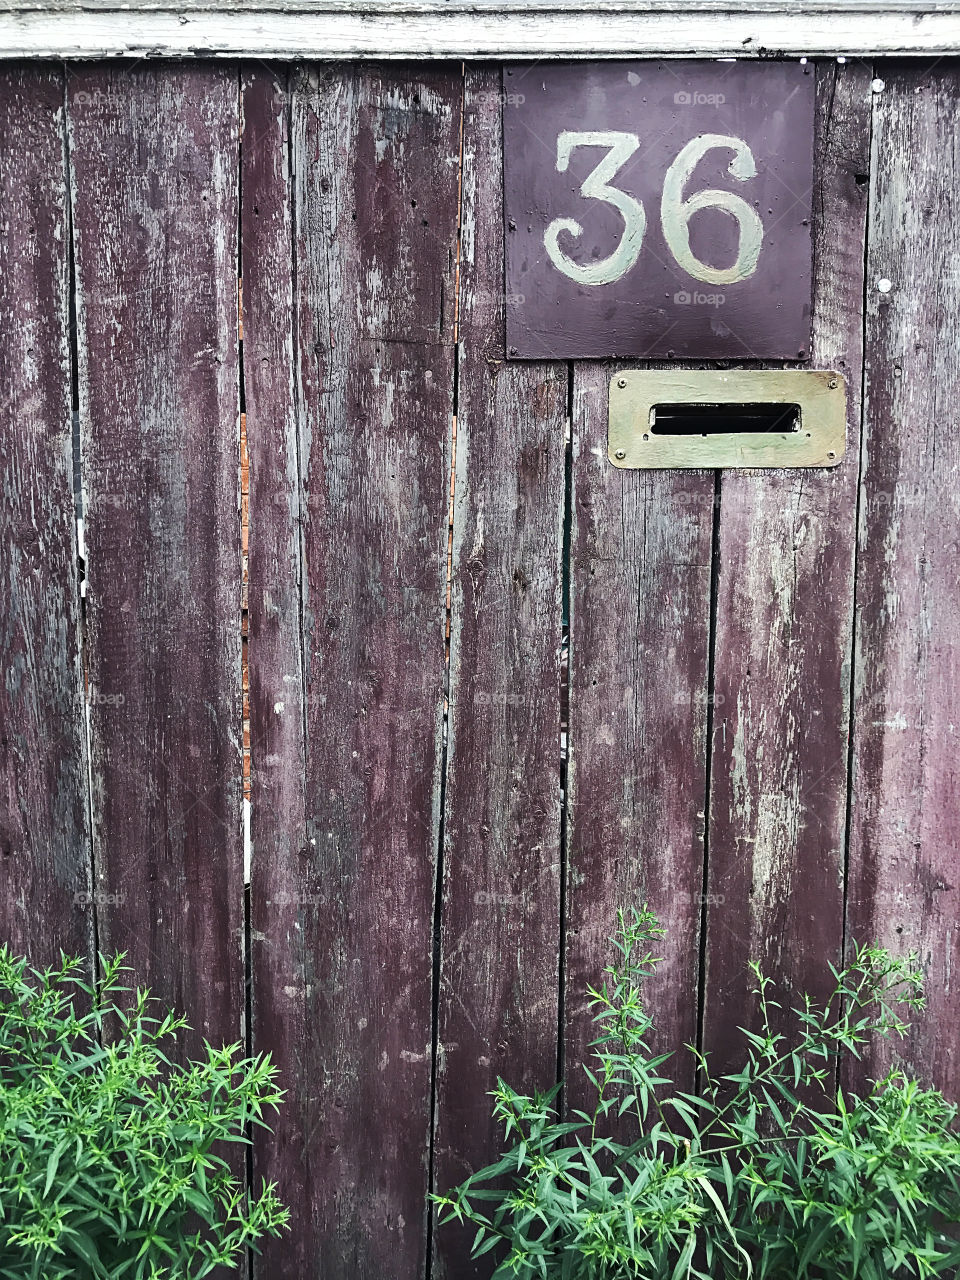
280	858
904	876
154	175
374	158
45	899
697	28
783	643
640	622
501	902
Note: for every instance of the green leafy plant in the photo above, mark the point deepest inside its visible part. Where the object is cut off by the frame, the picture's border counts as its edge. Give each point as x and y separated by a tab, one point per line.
766	1173
111	1155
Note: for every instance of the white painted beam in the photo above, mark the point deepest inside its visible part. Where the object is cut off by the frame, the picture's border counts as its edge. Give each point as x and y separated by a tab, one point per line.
479	29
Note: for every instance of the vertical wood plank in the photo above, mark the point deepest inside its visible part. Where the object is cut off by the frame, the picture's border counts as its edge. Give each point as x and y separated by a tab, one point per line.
640	619
347	912
904	884
501	904
783	643
280	857
154	172
44	836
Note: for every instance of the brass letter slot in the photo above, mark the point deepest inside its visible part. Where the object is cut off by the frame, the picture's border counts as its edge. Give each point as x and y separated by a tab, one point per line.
734	418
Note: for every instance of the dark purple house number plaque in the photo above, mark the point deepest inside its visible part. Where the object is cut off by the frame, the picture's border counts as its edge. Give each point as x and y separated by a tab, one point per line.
659	209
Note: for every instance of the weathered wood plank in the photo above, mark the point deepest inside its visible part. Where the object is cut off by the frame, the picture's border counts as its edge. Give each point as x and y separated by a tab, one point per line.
605	29
154	173
279	894
375	156
783	642
904	884
501	902
44	830
640	576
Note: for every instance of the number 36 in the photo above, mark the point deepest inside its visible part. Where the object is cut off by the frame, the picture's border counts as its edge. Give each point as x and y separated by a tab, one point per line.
675	212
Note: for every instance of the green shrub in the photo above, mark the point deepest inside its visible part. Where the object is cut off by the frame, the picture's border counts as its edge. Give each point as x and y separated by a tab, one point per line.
108	1165
768	1172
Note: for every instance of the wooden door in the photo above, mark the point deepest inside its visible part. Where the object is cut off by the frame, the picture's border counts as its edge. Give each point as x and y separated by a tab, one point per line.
497	687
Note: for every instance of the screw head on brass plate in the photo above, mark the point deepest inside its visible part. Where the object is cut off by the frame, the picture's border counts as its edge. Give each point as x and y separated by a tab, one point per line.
751	418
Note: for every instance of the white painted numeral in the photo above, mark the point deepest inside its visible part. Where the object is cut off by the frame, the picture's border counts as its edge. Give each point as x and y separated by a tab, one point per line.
596	186
675	212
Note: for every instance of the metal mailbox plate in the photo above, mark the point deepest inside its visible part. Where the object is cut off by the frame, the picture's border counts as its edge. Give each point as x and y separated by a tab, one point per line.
818	441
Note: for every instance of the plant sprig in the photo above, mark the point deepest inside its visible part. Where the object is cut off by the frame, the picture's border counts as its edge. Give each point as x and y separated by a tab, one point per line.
766	1172
112	1156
